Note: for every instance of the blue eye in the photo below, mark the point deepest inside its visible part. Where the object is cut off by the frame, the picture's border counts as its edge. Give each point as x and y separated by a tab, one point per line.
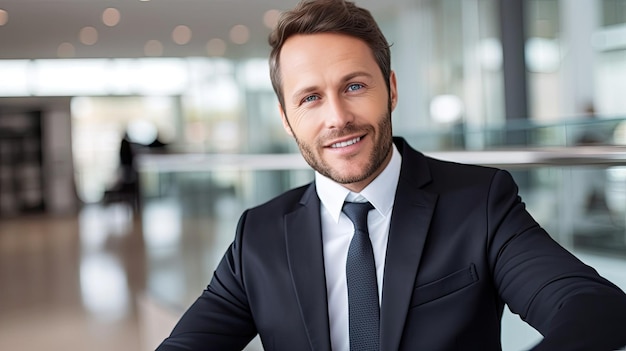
310	98
355	87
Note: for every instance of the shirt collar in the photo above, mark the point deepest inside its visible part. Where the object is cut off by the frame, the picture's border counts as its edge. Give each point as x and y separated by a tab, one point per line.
380	192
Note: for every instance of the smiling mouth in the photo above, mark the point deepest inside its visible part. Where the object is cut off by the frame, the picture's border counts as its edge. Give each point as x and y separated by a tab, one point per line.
346	143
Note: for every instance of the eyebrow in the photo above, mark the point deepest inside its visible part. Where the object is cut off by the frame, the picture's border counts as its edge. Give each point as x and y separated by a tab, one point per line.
307	90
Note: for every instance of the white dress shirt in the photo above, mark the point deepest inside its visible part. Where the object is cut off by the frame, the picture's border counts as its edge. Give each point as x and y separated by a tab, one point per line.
337	231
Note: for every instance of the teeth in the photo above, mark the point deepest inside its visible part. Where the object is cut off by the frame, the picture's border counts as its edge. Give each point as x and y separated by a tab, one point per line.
346	143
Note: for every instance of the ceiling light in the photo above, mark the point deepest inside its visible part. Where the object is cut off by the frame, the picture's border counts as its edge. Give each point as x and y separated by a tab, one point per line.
239	34
216	47
270	18
65	50
153	48
111	17
4	17
181	35
88	35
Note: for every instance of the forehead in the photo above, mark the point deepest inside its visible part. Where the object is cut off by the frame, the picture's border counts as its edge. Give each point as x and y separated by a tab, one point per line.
323	54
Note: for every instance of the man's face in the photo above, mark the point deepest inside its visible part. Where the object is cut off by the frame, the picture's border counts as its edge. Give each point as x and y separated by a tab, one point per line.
337	106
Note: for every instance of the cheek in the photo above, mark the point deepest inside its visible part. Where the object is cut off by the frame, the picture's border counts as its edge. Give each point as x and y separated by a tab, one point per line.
303	123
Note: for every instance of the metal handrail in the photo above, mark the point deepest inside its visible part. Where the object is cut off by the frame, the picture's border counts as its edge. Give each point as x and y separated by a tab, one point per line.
506	158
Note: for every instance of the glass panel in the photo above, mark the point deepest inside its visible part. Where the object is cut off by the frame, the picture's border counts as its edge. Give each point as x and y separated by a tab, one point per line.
613	12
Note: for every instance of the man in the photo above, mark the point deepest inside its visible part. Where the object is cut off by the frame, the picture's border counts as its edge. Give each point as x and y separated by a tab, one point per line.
452	243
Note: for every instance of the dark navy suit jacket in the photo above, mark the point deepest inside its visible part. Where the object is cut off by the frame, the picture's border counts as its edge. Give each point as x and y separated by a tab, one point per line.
461	246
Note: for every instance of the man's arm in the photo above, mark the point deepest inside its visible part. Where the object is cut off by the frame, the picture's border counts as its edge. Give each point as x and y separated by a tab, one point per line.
587	322
220	318
565	300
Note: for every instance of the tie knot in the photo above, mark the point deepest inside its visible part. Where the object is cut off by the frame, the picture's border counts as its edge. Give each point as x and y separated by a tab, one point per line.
357	212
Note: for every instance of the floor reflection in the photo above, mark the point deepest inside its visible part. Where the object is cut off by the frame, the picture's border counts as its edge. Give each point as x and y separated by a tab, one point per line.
70	283
103	286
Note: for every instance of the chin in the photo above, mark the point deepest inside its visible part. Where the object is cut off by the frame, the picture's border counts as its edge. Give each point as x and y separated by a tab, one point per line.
348	178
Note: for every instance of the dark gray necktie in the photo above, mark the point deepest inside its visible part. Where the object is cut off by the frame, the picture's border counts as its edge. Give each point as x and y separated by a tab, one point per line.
364	312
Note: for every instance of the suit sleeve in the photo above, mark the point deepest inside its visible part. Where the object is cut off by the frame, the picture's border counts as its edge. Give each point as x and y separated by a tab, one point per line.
568	302
220	318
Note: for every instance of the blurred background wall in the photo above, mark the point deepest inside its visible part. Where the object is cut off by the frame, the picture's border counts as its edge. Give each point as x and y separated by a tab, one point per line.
195	72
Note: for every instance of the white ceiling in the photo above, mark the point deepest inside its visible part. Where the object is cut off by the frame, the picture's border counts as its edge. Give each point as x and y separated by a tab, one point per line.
36	28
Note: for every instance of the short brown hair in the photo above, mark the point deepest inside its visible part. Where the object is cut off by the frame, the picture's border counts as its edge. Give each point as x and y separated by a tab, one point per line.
328	16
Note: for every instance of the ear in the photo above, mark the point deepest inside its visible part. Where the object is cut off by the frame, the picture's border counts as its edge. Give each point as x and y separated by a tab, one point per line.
283	116
393	90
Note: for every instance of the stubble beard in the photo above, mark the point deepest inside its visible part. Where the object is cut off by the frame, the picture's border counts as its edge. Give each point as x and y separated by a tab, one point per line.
382	147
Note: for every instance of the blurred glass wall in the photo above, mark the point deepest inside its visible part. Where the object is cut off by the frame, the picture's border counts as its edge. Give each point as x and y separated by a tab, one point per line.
448	55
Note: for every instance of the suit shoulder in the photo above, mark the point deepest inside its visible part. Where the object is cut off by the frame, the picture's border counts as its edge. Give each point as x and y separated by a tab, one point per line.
284	202
465	168
417	163
450	172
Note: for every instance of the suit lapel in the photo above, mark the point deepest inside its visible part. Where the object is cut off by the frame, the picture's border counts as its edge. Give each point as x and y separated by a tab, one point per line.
410	220
306	263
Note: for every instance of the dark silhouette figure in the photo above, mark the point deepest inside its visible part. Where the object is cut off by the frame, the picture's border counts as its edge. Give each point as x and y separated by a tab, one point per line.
126	187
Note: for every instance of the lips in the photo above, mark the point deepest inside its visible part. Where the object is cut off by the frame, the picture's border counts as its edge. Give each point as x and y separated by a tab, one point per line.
345	143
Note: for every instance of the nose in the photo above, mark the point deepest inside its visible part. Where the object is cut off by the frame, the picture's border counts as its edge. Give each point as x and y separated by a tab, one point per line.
338	113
